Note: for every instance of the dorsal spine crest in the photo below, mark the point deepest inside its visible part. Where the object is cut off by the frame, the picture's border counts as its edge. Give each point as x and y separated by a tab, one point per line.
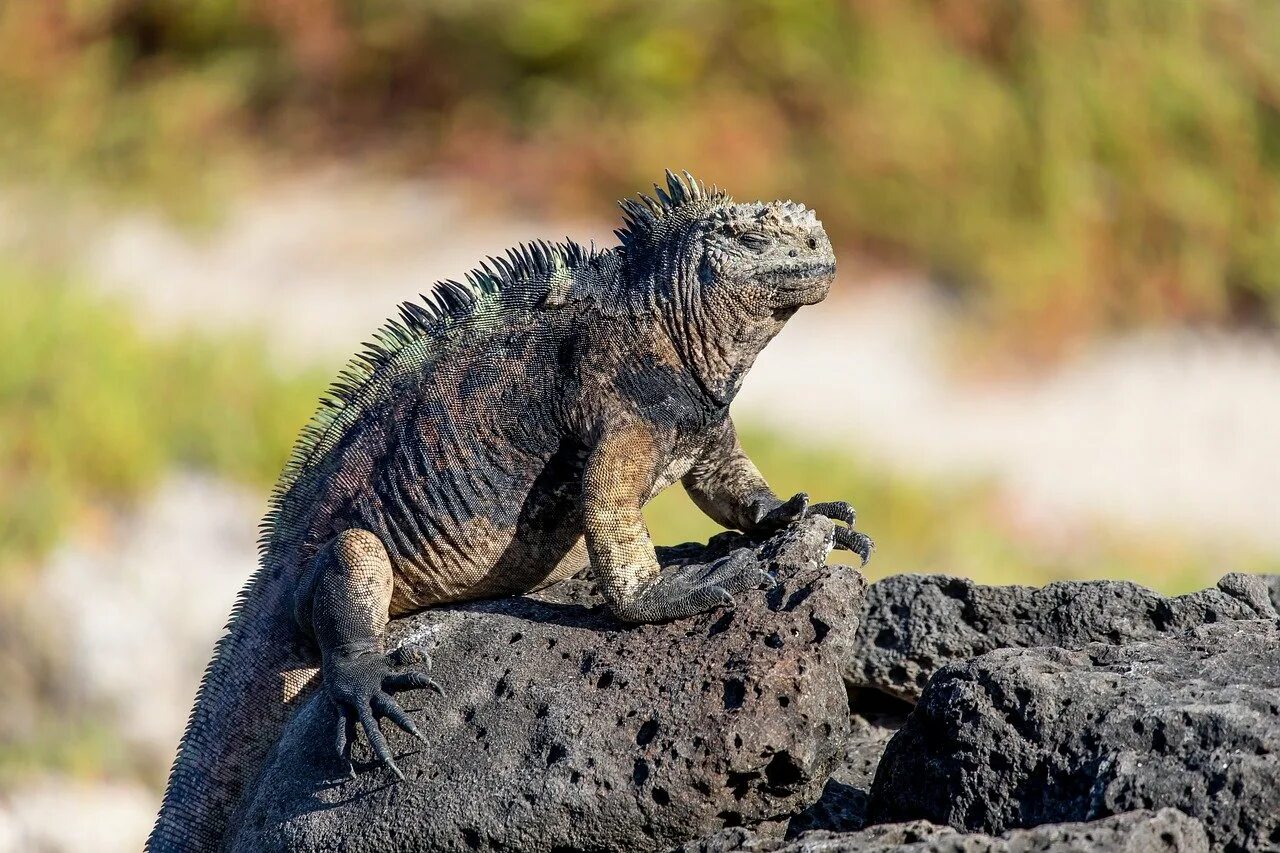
449	302
644	214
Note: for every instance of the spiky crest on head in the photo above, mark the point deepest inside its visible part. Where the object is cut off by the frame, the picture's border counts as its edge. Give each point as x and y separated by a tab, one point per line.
643	217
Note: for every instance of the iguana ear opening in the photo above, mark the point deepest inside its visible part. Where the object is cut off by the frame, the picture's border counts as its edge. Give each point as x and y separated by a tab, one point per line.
706	272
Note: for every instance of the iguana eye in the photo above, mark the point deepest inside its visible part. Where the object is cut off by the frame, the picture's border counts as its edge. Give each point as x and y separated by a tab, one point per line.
753	240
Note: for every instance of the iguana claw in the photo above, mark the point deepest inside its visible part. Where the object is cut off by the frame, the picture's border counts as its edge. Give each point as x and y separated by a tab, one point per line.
411	681
859	543
723	596
361	686
798	507
836	511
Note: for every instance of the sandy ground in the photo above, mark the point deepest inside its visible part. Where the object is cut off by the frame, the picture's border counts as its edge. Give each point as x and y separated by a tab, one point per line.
145	602
59	816
140	602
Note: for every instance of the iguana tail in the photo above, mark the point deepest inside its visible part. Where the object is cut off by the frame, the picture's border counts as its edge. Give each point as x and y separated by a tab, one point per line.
258	673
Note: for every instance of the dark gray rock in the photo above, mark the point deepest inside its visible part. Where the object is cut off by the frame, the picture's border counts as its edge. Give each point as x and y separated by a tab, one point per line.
1165	831
842	807
564	730
915	624
1273	586
1021	737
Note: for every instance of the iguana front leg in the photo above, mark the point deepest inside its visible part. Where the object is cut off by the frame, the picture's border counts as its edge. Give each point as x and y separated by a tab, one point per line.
727	486
345	605
619	475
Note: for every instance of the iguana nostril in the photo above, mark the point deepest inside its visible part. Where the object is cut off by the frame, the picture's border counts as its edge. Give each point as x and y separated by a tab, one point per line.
813	242
793	253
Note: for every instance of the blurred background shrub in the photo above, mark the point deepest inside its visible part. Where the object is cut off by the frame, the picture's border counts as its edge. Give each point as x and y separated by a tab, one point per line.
1068	167
93	412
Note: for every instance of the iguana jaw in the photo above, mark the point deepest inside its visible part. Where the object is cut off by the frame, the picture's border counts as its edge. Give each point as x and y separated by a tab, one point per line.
802	284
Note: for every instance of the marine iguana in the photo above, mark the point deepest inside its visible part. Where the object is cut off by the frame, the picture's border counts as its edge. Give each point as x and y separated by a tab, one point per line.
493	439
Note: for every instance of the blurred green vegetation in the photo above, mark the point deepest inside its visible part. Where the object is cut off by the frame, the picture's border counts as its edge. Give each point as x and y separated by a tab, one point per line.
1068	167
92	411
65	739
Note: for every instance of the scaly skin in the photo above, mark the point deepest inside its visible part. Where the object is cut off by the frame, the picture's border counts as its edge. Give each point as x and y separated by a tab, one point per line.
488	444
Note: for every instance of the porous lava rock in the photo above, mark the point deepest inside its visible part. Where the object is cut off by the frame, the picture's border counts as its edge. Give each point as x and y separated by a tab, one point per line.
843	804
915	624
1165	831
565	730
1022	737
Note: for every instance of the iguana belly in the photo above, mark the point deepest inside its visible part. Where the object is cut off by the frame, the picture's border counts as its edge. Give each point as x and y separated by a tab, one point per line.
505	563
506	541
499	527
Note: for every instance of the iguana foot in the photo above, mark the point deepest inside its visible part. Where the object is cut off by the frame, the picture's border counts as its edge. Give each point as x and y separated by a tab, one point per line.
685	590
361	683
797	507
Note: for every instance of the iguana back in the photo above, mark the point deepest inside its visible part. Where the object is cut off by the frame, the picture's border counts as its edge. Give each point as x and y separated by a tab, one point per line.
263	666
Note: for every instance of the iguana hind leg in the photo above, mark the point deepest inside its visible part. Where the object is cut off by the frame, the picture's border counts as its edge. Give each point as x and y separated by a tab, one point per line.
619	476
350	593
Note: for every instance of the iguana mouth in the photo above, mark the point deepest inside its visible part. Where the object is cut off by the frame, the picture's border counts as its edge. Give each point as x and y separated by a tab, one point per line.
802	275
804	284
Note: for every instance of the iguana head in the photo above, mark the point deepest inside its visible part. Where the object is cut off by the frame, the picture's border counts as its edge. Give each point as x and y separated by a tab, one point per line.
725	276
775	256
772	256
